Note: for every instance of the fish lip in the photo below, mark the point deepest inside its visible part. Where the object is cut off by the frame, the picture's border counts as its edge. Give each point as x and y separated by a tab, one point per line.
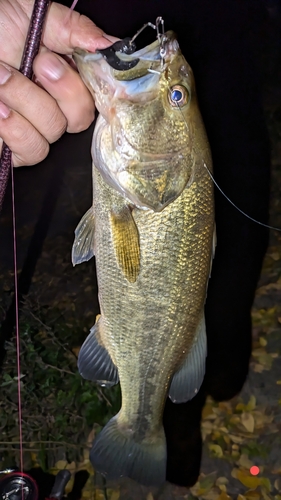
170	43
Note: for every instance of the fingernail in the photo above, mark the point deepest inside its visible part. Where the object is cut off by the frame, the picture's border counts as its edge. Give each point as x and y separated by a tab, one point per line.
53	68
4	110
4	74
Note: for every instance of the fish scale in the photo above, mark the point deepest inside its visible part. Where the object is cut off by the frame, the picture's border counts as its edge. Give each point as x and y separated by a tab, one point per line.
153	242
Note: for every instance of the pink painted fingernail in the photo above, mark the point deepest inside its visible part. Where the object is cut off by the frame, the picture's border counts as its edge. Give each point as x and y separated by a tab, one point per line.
53	68
4	110
4	74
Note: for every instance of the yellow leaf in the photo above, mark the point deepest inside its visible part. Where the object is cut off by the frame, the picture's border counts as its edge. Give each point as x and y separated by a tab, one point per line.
251	404
248	421
222	480
223	496
116	495
252	495
245	462
204	484
236	439
278	382
266	483
241	497
71	467
263	341
149	496
69	485
207	410
61	464
240	407
249	481
234	473
216	449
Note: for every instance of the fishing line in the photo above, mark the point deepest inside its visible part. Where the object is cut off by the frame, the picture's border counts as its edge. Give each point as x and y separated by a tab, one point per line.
17	319
235	206
220	189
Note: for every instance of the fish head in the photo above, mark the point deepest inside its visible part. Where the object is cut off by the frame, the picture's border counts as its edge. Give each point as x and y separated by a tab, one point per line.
145	146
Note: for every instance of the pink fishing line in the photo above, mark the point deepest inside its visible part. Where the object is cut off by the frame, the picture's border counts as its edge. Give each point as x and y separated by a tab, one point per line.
17	318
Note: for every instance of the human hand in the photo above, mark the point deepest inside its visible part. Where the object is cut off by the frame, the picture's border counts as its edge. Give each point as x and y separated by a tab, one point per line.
33	116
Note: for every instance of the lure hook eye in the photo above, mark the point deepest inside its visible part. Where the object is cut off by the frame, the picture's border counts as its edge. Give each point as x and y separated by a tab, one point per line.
178	96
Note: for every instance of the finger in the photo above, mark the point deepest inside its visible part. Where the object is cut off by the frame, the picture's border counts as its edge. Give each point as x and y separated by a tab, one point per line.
75	30
65	85
27	145
32	102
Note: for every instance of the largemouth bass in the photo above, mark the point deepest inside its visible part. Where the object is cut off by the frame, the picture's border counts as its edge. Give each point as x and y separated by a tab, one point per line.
151	230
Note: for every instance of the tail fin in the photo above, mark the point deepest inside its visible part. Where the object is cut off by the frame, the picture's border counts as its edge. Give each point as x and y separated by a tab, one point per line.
116	455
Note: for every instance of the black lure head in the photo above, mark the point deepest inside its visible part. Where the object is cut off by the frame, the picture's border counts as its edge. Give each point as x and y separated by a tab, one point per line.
125	46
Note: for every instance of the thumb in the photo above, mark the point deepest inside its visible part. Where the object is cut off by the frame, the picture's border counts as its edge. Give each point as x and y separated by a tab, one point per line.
66	29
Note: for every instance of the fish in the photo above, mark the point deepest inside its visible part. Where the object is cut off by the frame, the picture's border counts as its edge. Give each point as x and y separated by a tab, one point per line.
151	229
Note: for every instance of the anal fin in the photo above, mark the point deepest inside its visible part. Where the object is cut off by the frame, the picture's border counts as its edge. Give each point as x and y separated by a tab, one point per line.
83	246
126	243
94	362
187	380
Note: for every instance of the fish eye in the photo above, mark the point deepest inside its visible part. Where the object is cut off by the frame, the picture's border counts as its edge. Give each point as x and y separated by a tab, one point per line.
178	96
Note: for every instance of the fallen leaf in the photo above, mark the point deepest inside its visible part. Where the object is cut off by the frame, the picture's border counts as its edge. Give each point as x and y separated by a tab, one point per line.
207	410
116	495
222	480
216	449
149	496
236	439
252	494
204	484
223	496
266	483
248	421
258	368
277	484
251	404
247	480
265	496
61	464
245	462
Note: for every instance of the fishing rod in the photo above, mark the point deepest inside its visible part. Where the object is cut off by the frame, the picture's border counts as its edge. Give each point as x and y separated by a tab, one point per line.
31	50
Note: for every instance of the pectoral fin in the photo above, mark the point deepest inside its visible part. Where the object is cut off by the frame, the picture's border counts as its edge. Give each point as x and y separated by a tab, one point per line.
187	380
83	246
126	243
94	362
